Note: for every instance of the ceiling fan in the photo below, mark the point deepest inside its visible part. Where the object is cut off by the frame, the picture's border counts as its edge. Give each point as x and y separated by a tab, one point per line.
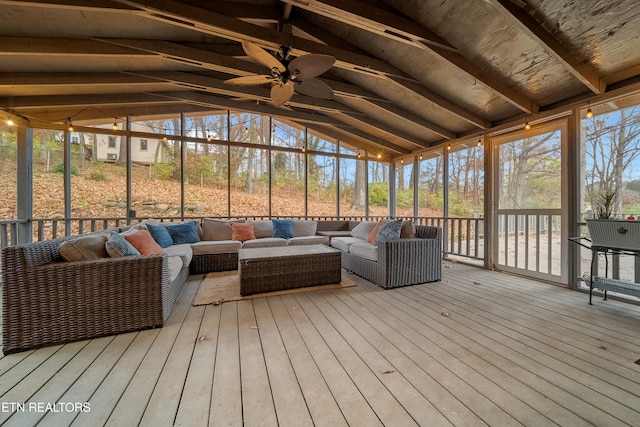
286	74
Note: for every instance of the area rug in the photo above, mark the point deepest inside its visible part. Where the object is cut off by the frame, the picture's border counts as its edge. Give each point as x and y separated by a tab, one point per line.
224	286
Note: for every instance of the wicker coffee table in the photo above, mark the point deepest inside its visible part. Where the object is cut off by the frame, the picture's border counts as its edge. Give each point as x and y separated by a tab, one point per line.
275	269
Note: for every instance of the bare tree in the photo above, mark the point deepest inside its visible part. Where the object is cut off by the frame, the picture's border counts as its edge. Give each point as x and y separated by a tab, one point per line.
612	144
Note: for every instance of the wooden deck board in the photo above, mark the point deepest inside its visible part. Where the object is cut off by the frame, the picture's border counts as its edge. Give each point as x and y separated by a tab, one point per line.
506	351
195	402
257	395
226	396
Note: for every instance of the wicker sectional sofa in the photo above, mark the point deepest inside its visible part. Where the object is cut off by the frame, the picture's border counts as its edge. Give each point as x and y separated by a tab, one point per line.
47	300
389	263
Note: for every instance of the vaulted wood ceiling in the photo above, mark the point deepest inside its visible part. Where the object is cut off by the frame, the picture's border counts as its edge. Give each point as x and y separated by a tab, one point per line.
409	74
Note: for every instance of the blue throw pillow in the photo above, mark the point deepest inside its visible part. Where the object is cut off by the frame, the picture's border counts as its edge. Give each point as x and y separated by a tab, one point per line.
389	230
183	233
160	235
283	228
118	246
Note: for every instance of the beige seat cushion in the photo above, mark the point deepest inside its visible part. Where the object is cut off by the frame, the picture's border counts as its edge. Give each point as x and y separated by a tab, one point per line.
267	242
308	240
343	243
364	250
175	264
184	251
215	247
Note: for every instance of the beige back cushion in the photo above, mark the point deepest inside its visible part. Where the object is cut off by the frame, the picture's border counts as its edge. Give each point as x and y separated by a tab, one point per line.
408	229
84	248
217	229
262	228
304	228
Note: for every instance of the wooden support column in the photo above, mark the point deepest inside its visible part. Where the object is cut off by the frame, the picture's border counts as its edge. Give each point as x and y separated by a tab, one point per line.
24	202
67	183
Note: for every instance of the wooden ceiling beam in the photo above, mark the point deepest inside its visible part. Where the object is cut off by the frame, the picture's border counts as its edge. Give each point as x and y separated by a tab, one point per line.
526	23
359	122
357	135
56	114
79	101
53	46
444	103
71	4
76	79
401	114
222	102
356	141
371	18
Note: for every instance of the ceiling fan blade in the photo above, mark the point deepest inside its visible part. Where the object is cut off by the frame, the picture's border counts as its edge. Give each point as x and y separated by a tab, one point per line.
250	80
315	88
309	66
262	57
281	93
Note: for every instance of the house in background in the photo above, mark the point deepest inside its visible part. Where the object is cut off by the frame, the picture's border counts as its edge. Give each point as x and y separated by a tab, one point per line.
109	148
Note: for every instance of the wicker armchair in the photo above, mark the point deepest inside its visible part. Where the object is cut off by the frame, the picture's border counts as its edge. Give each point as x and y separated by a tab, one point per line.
402	262
46	301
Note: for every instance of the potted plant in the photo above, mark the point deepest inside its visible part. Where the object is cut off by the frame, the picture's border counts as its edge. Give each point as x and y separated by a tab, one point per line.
606	231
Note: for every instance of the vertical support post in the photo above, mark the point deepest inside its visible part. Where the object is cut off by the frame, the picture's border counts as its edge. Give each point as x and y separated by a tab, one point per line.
336	176
416	175
574	177
269	168
24	202
127	141
366	186
306	173
228	164
392	190
183	162
445	201
489	215
67	183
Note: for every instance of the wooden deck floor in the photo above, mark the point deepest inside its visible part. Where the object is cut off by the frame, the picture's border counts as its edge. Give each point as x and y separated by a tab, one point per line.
478	348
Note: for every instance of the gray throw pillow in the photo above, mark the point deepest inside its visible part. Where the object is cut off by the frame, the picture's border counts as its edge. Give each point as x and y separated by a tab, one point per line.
390	229
118	246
